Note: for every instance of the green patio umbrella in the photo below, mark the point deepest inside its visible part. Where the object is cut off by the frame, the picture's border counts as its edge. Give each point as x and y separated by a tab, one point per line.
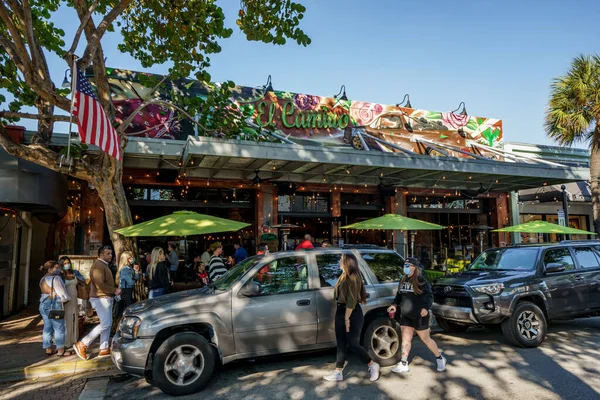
543	227
182	223
396	222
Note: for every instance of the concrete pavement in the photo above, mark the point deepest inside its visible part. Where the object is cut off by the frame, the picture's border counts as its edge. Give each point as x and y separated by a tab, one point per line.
480	366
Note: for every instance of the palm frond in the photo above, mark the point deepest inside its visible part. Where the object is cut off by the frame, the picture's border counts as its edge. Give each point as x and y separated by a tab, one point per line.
574	105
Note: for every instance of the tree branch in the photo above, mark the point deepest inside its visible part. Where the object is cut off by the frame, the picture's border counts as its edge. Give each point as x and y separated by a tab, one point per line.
94	40
44	156
56	118
84	22
19	46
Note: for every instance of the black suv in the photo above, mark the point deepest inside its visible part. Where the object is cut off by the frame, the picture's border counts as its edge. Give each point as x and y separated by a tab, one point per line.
521	288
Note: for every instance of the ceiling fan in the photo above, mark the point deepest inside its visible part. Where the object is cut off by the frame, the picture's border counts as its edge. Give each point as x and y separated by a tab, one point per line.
257	180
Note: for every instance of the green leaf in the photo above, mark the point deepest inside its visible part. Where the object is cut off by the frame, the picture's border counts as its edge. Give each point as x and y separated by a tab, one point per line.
433	115
472	125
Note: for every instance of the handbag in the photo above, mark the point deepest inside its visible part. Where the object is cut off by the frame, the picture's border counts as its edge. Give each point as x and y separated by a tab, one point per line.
83	290
56	313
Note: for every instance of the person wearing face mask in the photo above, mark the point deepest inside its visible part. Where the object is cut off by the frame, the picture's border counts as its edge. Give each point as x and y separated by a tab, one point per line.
415	299
54	295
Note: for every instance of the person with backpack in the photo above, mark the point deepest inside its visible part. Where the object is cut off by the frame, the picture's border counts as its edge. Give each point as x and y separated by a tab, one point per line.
415	298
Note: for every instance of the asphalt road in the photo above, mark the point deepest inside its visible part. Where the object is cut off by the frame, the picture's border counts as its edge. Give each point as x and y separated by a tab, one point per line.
480	366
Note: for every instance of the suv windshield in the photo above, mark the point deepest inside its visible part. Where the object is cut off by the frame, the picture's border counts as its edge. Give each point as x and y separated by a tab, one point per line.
235	273
508	259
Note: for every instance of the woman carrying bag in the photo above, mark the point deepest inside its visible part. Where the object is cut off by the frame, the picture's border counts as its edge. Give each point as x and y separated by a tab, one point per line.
51	308
349	319
127	276
415	299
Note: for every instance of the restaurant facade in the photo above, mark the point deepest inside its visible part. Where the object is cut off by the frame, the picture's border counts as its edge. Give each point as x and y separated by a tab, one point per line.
318	163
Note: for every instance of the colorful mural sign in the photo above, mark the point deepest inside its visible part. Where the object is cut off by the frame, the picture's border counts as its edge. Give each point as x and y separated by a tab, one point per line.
310	119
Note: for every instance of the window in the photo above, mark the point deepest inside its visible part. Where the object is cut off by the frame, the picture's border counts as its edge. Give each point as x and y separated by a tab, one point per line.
283	275
559	256
586	257
507	259
329	269
386	266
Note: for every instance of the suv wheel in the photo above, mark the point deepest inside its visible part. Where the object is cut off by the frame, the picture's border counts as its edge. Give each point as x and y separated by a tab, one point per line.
382	340
450	327
526	327
183	364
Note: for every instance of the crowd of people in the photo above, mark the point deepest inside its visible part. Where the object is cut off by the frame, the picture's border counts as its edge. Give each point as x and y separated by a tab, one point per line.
66	296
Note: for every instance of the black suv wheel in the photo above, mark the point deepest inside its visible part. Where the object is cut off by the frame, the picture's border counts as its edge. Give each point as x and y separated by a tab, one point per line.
183	364
449	326
527	325
382	340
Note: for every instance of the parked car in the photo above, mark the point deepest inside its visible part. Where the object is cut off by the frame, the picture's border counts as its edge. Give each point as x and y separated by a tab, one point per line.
521	288
266	305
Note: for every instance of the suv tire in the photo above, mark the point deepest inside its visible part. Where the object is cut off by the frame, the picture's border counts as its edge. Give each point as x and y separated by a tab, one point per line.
526	327
451	327
383	341
183	364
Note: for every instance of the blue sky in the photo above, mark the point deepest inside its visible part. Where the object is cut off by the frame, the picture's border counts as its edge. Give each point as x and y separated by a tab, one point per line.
499	57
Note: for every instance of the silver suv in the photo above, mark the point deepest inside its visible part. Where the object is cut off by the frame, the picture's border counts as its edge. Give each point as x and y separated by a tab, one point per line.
278	303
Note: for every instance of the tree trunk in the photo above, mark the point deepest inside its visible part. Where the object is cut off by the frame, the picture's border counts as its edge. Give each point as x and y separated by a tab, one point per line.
116	209
595	176
45	126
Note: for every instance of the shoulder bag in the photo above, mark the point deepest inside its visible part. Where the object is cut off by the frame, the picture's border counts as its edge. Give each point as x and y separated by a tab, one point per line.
56	313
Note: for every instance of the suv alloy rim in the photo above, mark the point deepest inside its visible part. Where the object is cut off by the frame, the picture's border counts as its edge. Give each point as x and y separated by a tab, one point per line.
528	325
385	342
184	365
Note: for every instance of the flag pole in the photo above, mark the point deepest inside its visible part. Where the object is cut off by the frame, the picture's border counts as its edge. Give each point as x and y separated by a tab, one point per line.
73	86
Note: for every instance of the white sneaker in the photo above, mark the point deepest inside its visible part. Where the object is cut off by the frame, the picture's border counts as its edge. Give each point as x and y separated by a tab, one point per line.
441	364
335	376
374	372
401	367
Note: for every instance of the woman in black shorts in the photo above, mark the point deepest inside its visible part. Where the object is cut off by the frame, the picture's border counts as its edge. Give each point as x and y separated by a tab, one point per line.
415	300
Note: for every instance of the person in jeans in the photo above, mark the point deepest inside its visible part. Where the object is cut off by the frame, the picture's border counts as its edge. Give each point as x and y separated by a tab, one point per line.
102	293
349	292
159	282
415	299
53	296
126	278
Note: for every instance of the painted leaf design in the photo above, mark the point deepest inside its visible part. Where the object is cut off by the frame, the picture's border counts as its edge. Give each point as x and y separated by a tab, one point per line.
433	115
480	121
472	125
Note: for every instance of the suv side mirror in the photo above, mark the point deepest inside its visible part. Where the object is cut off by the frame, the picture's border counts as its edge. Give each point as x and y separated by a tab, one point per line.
554	267
251	289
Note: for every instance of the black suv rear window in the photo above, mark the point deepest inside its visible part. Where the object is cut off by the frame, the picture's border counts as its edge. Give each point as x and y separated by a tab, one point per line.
387	266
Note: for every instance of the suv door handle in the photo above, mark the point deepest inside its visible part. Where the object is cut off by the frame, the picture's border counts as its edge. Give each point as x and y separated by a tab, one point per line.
578	277
305	302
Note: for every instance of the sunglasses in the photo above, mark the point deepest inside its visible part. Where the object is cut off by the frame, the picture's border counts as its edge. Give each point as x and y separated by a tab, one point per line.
104	248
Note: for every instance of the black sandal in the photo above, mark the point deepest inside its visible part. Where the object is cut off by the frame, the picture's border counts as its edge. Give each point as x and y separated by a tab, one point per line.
65	353
48	353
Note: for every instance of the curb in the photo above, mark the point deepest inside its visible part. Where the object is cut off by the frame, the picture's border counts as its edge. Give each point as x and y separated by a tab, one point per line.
70	367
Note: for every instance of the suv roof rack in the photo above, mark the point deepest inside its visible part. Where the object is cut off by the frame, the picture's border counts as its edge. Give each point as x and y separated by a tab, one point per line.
533	244
580	241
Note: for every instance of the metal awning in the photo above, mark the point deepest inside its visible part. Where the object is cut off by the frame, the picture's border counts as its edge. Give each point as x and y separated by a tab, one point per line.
209	158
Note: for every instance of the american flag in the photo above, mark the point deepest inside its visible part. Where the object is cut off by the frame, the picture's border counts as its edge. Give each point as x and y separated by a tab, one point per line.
94	126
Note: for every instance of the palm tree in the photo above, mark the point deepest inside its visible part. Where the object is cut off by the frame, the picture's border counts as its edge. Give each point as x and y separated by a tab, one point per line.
573	115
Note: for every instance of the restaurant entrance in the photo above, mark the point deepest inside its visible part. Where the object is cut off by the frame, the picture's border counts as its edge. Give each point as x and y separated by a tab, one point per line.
467	230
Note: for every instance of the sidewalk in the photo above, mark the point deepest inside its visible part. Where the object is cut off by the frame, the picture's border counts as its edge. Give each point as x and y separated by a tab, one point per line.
22	356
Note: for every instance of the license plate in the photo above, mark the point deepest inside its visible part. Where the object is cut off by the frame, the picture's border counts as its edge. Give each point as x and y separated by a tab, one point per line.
449	301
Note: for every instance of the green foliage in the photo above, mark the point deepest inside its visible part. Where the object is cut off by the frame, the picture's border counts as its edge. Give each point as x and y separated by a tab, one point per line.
574	106
183	33
77	150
